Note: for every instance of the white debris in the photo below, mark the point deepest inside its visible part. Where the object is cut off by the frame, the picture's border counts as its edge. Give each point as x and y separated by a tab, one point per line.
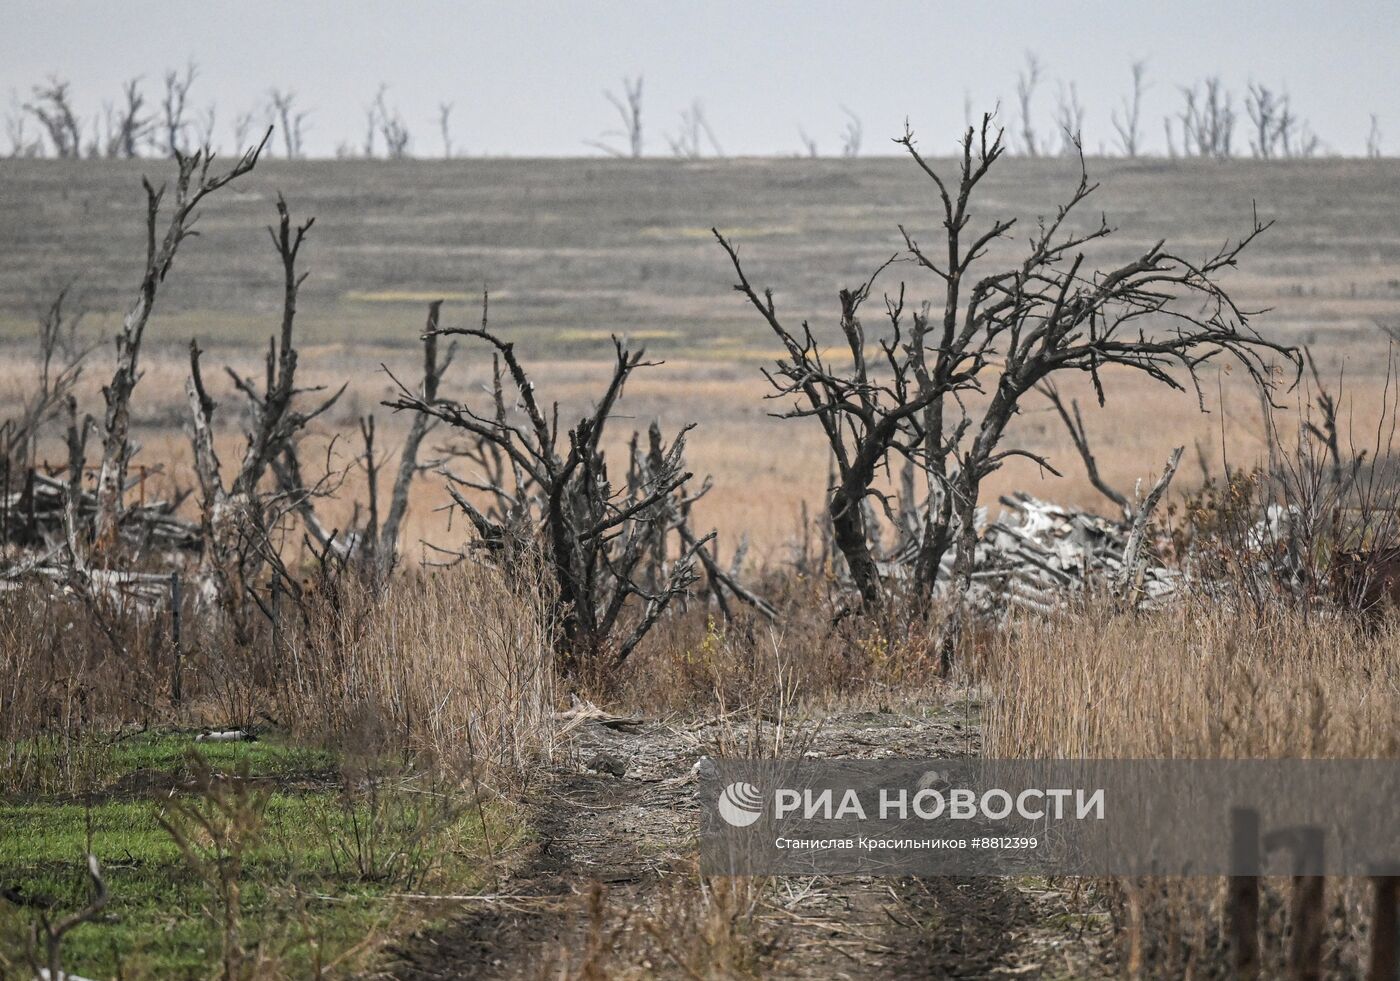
1037	554
226	736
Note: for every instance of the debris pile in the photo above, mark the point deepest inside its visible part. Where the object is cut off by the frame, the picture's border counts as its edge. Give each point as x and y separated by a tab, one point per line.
1037	554
34	528
33	514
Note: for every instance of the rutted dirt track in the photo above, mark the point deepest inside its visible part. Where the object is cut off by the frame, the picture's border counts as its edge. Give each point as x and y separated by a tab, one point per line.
604	891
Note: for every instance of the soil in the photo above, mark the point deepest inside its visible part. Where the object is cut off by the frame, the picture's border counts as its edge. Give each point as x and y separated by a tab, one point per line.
610	888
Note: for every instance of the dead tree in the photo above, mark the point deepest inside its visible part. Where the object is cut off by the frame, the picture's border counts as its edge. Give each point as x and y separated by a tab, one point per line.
128	129
862	418
174	127
282	106
629	112
60	364
693	134
1207	120
371	132
551	490
52	106
809	145
1277	132
375	544
1027	81
1069	119
852	135
1126	587
389	125
1127	119
237	519
1373	139
50	518
942	392
16	132
242	126
1266	112
445	128
193	183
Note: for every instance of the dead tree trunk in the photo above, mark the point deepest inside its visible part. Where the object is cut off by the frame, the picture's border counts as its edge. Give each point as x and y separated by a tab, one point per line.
237	523
1126	587
409	466
193	183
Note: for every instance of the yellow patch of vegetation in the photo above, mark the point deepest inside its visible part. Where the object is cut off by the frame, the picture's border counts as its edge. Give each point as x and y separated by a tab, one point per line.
406	296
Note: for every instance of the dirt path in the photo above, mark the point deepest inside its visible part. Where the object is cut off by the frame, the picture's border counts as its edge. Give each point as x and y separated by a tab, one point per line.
611	888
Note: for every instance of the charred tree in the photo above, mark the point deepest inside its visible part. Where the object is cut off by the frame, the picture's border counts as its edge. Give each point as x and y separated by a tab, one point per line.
237	520
942	391
193	183
540	489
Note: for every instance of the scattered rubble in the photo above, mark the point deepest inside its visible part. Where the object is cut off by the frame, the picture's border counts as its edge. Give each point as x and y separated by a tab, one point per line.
1037	554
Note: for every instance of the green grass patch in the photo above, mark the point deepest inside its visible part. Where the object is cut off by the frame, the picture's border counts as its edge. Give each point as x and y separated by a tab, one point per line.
266	758
320	854
142	762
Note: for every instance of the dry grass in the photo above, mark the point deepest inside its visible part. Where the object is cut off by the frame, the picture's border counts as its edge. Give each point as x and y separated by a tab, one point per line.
765	469
59	683
453	669
1198	682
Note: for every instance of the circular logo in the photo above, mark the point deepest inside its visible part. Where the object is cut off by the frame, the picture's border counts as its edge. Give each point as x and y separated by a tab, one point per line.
740	804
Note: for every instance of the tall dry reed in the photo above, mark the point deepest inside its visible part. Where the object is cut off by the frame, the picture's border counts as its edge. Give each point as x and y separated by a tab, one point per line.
455	667
1199	682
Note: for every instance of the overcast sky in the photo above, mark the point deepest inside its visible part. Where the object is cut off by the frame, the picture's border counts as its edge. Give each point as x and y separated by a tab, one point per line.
527	76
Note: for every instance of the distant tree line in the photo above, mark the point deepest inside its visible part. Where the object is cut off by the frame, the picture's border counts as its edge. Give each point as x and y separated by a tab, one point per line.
1208	120
140	124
